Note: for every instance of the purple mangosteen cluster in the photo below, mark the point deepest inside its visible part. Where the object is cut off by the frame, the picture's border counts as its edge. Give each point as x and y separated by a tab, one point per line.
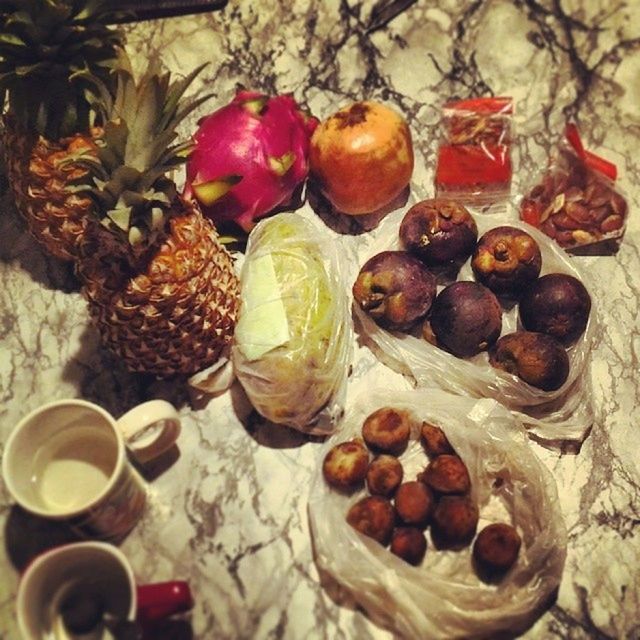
398	290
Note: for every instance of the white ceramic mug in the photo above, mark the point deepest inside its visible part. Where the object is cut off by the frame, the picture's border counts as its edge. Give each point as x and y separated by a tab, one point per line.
87	590
67	460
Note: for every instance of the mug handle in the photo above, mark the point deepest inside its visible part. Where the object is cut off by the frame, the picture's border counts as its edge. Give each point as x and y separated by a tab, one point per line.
162	599
149	429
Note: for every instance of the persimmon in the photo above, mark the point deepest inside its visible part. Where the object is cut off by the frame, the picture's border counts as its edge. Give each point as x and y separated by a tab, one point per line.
362	157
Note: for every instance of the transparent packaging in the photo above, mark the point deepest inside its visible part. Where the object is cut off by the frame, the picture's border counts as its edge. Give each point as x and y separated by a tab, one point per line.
443	597
575	201
292	343
560	416
474	153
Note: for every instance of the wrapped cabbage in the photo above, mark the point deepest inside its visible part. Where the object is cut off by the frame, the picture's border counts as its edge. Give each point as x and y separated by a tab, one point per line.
293	337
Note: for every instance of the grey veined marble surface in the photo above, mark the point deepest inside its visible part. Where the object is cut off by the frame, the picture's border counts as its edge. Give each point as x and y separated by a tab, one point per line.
230	513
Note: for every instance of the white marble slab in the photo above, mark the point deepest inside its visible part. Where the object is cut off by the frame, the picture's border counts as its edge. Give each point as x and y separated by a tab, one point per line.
229	514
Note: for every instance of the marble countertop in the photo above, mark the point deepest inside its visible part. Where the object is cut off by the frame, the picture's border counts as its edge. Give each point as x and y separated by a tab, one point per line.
230	512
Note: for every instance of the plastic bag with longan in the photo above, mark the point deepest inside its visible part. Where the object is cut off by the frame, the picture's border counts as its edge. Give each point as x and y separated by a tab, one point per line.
444	594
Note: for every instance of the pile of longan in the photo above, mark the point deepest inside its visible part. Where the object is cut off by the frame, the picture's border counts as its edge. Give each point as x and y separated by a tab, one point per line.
397	512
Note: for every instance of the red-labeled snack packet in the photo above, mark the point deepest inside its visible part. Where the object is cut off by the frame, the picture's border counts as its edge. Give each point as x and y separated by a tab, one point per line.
576	202
474	155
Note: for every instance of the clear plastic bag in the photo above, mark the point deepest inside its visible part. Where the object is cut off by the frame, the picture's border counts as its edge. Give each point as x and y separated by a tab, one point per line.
564	415
292	343
443	597
474	153
575	201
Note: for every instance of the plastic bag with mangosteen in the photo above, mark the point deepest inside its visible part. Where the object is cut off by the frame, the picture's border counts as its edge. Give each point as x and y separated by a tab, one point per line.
562	414
575	201
448	594
474	153
292	343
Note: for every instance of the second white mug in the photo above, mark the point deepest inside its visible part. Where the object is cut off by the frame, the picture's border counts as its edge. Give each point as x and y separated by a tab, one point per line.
87	591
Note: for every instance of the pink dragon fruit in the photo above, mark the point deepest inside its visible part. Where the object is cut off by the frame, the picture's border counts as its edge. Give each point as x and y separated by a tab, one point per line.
249	157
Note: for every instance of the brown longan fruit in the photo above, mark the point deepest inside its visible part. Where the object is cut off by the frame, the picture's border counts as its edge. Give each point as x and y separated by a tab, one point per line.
373	516
409	543
414	503
495	550
384	475
447	474
387	430
345	465
454	522
434	440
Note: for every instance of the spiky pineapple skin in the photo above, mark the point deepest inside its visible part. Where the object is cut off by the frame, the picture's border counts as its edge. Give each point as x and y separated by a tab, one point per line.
40	178
177	315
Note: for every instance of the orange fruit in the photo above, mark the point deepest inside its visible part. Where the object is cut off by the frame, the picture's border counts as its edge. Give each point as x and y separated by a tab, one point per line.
362	157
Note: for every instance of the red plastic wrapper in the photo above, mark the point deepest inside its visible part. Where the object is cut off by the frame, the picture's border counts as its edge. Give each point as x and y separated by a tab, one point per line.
474	156
576	202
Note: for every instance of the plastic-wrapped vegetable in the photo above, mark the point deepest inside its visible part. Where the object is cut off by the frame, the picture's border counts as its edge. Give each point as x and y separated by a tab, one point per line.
293	337
444	596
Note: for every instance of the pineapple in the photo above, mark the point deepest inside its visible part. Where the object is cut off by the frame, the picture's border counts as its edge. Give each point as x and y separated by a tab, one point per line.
50	50
161	289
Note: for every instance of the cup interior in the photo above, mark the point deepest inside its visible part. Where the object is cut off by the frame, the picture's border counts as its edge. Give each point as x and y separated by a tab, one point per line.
61	458
71	589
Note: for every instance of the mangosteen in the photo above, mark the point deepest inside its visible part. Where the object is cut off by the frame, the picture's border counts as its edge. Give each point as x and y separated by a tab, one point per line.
466	318
373	516
439	232
447	473
454	522
557	304
507	260
434	440
537	358
395	289
409	543
495	550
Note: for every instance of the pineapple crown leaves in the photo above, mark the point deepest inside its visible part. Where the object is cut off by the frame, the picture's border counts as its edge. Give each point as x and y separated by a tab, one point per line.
44	44
137	150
